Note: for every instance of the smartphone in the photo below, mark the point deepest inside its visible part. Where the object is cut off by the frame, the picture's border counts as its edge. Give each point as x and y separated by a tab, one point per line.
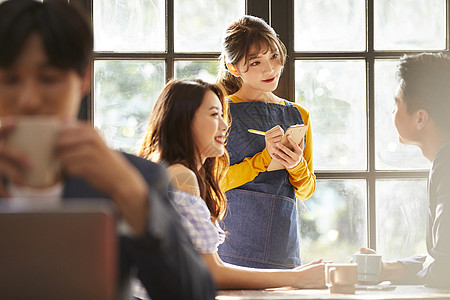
297	132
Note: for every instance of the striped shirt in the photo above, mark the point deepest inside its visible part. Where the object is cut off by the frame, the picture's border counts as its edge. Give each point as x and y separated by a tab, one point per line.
196	219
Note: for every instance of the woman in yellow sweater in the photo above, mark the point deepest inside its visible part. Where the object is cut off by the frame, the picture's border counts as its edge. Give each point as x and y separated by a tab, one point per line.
262	217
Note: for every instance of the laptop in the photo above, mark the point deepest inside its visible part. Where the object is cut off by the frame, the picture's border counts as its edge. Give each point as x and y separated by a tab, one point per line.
63	251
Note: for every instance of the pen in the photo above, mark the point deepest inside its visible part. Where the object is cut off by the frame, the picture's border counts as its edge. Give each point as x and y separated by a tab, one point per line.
256	132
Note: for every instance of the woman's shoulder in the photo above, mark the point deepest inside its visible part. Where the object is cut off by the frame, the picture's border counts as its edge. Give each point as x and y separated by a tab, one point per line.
233	99
303	111
177	169
182	178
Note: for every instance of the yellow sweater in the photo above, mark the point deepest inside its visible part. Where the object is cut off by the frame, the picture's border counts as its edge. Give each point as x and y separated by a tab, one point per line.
301	176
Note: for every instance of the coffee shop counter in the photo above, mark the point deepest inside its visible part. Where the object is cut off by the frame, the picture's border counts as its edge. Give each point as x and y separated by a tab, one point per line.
400	292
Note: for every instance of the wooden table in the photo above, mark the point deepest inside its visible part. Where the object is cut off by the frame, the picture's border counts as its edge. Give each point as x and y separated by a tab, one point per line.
400	292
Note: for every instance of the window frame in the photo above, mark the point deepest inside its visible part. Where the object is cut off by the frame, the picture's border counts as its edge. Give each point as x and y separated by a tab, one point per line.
280	15
284	26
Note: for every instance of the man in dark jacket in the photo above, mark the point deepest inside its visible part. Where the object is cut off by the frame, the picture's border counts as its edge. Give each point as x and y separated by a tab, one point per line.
45	52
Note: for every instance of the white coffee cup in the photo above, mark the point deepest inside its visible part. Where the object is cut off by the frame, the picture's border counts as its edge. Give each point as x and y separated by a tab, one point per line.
36	137
369	267
342	277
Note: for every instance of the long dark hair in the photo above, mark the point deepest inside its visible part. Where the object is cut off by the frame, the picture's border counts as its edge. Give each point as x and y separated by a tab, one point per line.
240	36
169	138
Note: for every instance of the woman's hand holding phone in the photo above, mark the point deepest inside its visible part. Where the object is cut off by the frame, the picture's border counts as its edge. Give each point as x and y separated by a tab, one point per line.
288	152
273	136
289	158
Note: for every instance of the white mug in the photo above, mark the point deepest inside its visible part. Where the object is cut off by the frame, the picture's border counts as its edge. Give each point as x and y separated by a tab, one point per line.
369	267
36	137
342	277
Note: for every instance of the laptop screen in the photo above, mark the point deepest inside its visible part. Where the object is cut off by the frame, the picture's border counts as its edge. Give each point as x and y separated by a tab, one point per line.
64	251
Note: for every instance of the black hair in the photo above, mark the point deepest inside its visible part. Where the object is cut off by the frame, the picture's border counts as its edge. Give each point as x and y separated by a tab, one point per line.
425	84
65	30
169	138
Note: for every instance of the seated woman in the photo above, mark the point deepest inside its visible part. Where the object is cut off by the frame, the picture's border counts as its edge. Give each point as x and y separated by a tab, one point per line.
187	131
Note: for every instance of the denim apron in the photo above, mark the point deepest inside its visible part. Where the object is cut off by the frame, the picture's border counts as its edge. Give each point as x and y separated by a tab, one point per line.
261	221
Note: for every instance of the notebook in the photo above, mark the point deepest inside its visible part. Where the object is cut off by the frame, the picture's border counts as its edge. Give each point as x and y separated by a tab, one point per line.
63	251
297	132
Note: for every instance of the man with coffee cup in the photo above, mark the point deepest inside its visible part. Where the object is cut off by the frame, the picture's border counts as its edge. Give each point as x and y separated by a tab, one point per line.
421	116
45	52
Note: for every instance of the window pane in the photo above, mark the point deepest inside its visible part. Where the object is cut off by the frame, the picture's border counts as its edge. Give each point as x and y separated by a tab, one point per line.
125	92
334	93
329	25
401	207
132	25
200	24
390	154
333	218
206	70
409	24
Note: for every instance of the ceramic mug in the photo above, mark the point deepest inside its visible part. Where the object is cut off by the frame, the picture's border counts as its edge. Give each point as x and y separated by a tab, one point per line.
369	267
36	137
342	277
